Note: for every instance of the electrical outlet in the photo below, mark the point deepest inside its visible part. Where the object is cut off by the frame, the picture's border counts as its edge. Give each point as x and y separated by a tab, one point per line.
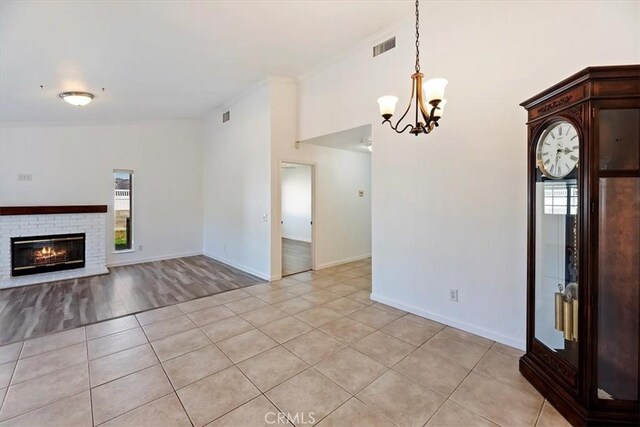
265	217
139	247
24	177
453	295
361	193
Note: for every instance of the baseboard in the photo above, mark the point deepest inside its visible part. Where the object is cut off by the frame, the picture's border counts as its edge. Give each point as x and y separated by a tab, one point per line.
503	339
151	259
233	264
343	261
301	239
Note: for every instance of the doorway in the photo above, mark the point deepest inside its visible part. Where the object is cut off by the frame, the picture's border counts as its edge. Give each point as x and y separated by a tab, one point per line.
296	220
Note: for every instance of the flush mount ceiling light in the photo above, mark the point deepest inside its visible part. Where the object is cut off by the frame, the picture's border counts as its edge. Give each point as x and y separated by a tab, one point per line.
433	92
77	98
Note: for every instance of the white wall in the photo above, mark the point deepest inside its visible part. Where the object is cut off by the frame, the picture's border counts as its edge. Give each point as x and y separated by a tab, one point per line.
449	209
342	219
74	163
296	202
237	189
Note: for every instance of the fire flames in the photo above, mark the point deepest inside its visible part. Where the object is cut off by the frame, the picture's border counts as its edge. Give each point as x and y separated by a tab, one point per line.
48	255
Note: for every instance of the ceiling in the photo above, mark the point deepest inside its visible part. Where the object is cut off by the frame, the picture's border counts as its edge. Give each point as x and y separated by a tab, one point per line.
355	139
167	59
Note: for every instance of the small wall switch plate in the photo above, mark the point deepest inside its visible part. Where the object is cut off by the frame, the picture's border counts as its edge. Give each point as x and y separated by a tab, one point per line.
453	295
361	193
24	177
265	217
139	247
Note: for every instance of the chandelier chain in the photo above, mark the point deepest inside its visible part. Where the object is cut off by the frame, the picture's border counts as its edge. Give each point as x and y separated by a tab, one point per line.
417	37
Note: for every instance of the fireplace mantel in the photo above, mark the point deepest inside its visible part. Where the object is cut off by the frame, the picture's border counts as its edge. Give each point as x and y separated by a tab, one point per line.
50	210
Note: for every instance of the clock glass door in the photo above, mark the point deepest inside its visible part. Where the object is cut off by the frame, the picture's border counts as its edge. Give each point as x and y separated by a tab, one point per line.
556	240
618	251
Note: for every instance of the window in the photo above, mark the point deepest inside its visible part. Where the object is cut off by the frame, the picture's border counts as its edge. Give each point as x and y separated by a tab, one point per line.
560	195
122	210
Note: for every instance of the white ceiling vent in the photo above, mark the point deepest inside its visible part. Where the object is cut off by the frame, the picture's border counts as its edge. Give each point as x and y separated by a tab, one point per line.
226	116
384	46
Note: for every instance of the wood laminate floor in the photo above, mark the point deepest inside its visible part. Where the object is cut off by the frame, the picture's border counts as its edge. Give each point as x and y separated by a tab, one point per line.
35	310
296	256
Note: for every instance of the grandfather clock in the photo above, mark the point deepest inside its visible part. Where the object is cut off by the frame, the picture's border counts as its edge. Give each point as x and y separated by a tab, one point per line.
583	268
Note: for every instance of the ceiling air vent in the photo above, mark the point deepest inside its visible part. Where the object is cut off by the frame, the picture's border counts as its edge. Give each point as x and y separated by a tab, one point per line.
384	46
225	117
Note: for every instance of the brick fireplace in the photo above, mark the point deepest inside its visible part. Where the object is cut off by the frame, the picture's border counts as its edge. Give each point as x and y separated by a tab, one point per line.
47	243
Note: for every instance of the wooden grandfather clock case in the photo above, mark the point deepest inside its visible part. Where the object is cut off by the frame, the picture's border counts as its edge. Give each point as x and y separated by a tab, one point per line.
583	262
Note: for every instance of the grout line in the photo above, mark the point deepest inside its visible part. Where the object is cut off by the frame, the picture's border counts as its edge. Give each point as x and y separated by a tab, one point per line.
167	377
113	333
13	371
89	380
458	386
535	423
333	382
52	402
233	364
42	354
130	410
281	345
44	406
353	396
376	410
138	407
258	354
122	376
403	375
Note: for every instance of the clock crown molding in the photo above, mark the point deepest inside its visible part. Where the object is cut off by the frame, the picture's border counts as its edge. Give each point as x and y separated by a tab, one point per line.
587	74
555	104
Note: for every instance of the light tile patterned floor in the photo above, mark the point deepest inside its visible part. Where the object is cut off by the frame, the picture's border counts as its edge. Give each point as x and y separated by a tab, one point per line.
313	346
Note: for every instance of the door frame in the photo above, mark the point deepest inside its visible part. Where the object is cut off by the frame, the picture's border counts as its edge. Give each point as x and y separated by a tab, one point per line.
278	207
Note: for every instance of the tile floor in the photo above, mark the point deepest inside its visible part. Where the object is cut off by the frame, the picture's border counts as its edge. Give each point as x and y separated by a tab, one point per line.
313	346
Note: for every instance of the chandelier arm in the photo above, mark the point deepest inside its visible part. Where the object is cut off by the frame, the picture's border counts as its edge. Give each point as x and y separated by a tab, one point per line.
405	113
420	102
396	126
435	119
417	103
413	89
408	126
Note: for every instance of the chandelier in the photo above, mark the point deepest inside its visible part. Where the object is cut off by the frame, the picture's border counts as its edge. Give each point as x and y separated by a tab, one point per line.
433	92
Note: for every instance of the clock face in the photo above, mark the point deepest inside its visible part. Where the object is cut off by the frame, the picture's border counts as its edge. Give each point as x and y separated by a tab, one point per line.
558	149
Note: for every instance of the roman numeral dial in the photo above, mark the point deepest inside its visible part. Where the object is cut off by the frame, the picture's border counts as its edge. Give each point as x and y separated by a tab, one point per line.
558	150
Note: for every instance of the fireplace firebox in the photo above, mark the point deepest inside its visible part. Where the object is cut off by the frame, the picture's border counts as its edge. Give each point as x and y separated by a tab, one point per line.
43	254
